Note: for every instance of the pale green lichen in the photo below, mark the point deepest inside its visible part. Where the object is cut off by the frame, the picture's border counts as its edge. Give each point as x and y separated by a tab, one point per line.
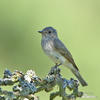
29	84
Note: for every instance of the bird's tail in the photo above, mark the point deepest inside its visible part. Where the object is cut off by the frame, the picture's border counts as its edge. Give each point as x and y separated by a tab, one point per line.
77	74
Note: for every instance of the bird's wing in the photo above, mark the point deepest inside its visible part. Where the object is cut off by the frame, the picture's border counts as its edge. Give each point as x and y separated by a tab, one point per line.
60	47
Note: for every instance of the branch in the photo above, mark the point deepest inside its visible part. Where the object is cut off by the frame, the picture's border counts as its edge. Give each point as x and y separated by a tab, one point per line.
29	84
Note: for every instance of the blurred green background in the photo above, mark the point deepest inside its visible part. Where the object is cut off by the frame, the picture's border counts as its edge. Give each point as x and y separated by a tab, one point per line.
78	26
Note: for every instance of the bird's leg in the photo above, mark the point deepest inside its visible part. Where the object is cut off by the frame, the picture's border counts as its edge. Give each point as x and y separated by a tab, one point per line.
57	65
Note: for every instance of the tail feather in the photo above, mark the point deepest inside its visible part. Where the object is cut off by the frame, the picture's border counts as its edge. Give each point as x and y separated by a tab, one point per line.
77	74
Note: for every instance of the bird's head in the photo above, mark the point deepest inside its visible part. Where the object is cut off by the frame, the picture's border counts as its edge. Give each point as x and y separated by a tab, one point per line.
48	32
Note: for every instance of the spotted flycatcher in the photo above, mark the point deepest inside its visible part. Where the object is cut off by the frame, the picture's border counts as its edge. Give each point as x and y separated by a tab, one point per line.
57	51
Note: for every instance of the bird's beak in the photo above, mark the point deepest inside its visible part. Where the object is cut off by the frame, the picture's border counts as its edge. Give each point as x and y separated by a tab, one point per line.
40	31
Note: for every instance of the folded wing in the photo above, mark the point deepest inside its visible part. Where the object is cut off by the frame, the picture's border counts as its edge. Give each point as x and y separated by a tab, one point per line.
60	47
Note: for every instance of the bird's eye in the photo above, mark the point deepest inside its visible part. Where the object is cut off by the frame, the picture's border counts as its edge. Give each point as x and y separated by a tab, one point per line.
49	32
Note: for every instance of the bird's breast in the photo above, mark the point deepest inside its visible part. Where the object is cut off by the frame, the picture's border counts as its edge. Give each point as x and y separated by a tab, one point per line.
47	46
49	49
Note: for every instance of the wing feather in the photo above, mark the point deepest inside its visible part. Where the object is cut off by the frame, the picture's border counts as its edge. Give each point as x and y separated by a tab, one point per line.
60	47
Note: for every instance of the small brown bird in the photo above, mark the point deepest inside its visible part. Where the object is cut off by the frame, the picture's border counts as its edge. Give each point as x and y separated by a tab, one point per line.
57	51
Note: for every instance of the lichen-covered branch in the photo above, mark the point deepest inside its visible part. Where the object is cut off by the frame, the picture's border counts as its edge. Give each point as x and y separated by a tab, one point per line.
25	86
